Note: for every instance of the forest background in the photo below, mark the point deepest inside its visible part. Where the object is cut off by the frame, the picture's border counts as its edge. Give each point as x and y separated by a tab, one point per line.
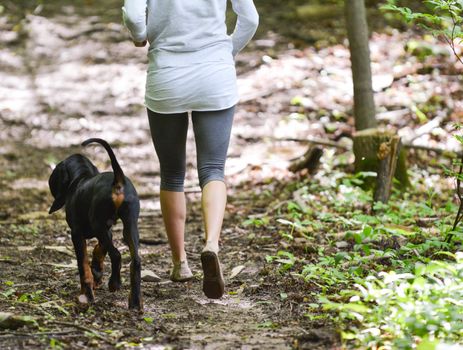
310	259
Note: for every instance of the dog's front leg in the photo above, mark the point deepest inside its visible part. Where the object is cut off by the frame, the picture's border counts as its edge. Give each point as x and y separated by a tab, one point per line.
107	243
131	238
86	278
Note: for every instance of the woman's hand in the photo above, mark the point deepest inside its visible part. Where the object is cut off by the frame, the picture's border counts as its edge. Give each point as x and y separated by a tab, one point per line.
140	43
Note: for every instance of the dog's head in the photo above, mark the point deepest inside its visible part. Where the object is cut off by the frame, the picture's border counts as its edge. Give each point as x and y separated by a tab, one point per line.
65	174
59	183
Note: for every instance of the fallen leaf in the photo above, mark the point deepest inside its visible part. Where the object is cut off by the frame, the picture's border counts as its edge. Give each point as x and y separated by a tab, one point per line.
236	270
342	244
149	276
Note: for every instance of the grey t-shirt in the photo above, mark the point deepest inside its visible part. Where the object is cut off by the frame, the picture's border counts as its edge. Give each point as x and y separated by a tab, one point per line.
191	56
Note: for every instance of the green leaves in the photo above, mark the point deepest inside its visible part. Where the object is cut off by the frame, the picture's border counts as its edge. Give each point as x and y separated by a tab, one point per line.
400	310
386	277
404	11
148	320
286	259
56	344
442	20
440	10
33	297
256	222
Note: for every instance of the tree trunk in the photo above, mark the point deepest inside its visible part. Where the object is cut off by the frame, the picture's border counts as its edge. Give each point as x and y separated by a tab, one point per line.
357	32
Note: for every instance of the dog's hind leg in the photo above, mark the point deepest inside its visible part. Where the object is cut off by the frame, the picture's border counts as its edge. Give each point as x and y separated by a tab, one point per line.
99	253
131	238
86	278
107	242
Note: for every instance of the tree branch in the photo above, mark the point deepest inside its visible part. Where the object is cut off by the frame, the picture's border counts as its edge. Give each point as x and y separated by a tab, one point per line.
458	218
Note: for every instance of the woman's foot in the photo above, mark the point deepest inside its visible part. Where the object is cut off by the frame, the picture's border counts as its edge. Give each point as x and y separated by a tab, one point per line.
181	272
213	283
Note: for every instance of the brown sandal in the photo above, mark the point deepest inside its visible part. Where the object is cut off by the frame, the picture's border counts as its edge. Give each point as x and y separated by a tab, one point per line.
213	284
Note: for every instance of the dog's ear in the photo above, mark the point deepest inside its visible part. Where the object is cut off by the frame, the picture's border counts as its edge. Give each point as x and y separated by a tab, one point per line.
59	184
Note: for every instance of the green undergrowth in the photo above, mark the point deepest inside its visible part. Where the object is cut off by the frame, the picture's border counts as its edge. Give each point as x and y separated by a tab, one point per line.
381	272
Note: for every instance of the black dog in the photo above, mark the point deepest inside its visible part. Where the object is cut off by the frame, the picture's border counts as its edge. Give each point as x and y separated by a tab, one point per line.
93	202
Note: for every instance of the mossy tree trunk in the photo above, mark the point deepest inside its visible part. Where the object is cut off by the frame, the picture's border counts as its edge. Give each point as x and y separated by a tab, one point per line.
379	151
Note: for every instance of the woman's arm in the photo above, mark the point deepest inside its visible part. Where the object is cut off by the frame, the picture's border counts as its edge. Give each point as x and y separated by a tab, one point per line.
246	24
134	15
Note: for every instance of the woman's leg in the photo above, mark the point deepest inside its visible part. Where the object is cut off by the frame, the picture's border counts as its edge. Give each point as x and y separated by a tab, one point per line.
169	132
173	209
212	135
213	202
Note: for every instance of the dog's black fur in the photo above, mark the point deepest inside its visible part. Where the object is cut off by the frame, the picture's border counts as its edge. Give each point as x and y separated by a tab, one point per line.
93	202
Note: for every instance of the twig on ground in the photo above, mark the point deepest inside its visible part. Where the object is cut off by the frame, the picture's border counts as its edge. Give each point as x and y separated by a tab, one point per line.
83	328
315	141
424	129
329	143
9	261
36	334
441	151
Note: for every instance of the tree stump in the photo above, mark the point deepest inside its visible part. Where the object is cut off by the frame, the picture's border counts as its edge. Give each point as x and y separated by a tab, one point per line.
388	153
380	151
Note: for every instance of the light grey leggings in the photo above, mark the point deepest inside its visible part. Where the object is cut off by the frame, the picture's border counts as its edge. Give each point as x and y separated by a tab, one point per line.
212	135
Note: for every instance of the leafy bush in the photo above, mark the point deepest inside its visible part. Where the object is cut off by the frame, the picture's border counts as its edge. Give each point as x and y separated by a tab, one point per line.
443	19
387	277
402	310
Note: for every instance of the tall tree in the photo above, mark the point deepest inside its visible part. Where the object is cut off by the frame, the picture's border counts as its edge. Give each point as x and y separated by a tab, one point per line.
375	150
357	32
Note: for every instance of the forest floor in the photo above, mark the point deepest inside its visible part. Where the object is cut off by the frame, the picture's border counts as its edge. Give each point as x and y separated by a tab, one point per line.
67	77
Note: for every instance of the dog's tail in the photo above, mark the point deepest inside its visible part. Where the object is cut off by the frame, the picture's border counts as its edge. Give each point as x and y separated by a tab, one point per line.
119	177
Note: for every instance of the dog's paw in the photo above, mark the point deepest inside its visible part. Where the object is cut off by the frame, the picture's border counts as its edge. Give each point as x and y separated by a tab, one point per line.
97	281
86	294
85	300
97	284
114	284
97	277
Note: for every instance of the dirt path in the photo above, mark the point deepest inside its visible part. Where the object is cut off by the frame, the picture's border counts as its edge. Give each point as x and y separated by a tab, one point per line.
64	81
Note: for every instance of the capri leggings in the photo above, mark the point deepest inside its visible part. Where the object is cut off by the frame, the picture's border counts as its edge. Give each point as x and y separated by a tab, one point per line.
212	135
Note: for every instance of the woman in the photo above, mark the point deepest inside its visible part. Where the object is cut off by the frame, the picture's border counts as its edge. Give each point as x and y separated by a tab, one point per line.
191	69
